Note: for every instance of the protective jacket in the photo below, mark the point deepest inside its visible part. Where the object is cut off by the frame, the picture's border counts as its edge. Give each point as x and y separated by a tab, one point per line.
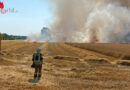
37	58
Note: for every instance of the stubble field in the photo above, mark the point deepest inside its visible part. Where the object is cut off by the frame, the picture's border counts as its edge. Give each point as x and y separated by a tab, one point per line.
68	66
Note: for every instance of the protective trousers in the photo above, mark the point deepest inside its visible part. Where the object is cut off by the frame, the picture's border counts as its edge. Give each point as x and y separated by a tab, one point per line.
38	68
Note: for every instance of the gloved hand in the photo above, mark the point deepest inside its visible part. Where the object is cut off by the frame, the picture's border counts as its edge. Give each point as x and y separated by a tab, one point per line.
32	66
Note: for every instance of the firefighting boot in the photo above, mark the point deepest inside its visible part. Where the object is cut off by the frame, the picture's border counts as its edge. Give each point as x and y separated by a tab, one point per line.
35	75
39	76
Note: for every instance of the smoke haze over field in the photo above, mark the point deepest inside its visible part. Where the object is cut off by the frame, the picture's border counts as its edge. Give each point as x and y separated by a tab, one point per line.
90	20
35	37
42	36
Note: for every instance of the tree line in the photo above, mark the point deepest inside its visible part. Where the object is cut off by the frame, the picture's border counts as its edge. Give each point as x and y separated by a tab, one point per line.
5	36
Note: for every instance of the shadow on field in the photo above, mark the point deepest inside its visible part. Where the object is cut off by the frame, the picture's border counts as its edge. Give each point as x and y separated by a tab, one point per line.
33	80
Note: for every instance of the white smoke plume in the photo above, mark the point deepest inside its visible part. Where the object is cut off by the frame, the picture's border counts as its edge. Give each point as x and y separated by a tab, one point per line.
35	37
42	36
89	20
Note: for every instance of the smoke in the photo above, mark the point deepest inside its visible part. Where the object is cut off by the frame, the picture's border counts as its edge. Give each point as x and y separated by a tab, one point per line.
42	36
35	37
90	20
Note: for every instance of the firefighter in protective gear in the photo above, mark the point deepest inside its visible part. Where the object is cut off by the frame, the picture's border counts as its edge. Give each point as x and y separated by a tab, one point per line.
37	63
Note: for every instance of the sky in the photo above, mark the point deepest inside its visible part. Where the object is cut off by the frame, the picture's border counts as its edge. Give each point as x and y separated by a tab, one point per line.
31	17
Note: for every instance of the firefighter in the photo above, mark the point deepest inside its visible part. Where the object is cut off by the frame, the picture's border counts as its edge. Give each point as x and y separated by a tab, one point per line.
37	63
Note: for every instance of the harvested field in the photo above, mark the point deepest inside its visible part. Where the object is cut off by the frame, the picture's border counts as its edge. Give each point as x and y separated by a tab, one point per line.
65	67
124	62
121	51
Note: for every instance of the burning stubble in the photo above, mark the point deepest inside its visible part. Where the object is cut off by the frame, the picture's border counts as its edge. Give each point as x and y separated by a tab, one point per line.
90	20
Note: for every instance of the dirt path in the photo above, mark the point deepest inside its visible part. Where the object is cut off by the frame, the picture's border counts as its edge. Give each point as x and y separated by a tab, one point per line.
64	68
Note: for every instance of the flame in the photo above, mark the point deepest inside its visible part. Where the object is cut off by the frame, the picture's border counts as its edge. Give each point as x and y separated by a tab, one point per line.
47	41
95	42
60	41
28	41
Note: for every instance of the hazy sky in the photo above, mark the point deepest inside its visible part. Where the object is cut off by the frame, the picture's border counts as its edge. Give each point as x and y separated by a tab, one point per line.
31	17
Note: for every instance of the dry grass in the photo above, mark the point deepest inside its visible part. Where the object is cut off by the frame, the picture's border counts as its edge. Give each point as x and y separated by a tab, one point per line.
64	68
115	50
100	61
91	73
66	57
124	62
